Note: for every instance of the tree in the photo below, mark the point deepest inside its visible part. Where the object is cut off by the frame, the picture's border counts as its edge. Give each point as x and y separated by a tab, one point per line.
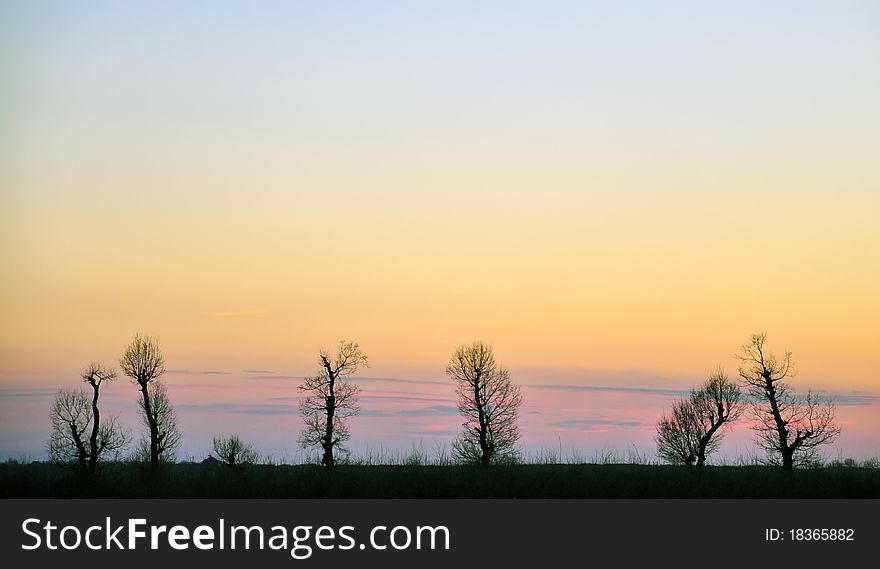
161	417
692	430
489	403
144	363
96	375
789	428
330	400
233	452
72	415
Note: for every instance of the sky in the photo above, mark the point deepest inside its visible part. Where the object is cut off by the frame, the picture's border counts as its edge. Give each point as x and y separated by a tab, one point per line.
613	195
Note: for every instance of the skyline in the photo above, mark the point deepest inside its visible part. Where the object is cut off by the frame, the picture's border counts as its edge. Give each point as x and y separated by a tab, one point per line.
612	196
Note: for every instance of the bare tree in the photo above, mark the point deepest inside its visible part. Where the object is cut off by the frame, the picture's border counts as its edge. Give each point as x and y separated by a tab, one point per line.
789	428
71	417
144	363
233	452
691	431
489	403
161	417
97	375
330	400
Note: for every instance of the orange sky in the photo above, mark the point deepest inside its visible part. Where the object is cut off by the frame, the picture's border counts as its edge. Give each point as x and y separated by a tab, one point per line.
582	197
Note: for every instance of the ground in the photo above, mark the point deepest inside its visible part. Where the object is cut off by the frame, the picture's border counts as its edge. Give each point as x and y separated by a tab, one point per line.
193	480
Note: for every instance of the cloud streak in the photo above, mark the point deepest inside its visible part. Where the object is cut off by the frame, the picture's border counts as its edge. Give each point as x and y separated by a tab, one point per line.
195	372
268	374
400	380
406	398
276	376
261	409
593	425
27	392
844	398
853	399
614	389
240	409
430	411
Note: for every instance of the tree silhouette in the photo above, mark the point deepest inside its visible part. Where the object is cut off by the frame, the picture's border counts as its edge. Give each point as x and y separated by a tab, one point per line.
159	418
692	430
330	400
489	403
789	427
144	363
233	452
97	375
72	415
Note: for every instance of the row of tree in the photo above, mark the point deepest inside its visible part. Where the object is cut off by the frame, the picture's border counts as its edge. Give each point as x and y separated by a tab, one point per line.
487	400
789	427
79	436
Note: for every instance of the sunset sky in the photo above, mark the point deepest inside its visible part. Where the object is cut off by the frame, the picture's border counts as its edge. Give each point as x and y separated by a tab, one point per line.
613	195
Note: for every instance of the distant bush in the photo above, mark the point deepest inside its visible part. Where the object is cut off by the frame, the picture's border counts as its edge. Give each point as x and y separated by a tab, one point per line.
233	452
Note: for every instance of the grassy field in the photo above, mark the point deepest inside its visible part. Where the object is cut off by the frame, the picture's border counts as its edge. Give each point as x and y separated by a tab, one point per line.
194	480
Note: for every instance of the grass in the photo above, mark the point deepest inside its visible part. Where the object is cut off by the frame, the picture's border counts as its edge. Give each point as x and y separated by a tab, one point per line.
195	480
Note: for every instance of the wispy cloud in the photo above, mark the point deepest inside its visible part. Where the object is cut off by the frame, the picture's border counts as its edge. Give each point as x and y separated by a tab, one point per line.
430	411
416	398
854	398
588	376
261	409
276	376
195	372
614	389
434	432
278	411
269	374
27	392
598	424
372	413
236	313
844	398
437	430
401	380
240	409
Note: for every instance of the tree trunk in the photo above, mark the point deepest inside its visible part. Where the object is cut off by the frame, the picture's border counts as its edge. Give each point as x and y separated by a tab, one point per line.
485	451
93	439
154	428
781	429
80	447
327	460
788	459
704	442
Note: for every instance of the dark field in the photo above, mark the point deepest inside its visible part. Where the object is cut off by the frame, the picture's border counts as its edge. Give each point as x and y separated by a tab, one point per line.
192	480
